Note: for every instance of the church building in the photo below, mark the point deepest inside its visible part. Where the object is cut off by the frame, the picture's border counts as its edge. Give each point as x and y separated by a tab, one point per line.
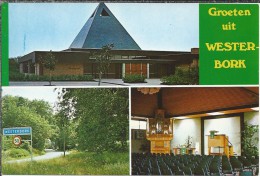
103	28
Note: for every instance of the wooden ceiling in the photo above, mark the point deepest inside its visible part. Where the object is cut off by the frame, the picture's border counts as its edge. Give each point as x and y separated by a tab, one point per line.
195	101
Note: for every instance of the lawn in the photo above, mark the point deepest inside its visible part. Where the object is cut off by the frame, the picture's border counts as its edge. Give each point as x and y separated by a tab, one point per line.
79	163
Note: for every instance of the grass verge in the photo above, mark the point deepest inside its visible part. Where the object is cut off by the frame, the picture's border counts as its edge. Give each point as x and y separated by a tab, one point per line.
80	163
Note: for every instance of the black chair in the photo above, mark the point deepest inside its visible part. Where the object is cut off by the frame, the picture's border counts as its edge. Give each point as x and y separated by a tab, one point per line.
187	171
226	167
165	170
199	171
214	168
174	169
236	165
155	171
179	172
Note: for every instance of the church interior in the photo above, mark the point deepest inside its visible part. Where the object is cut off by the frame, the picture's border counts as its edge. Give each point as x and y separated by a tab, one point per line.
194	130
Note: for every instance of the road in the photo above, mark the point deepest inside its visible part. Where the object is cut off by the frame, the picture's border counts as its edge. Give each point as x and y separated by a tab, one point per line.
50	154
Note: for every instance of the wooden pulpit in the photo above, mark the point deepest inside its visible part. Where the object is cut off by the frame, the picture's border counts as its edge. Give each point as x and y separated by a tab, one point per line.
220	143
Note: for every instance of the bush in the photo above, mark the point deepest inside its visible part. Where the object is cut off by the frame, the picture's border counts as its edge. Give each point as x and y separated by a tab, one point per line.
182	77
32	77
17	153
25	146
13	76
38	152
134	78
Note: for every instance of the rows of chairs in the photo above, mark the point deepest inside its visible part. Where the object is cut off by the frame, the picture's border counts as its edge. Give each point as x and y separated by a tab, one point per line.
169	164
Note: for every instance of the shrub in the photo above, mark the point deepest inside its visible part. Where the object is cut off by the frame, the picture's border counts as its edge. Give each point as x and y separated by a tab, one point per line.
25	146
32	77
134	78
182	77
16	76
17	153
38	152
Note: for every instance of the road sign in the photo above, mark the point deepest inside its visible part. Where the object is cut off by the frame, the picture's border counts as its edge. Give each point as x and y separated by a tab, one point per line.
17	140
17	131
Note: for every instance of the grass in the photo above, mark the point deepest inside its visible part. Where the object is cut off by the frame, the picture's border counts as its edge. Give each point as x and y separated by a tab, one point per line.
18	153
79	163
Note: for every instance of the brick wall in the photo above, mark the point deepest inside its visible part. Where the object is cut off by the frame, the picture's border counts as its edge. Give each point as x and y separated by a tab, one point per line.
66	69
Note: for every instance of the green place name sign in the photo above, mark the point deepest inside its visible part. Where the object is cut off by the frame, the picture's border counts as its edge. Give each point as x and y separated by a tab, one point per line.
229	44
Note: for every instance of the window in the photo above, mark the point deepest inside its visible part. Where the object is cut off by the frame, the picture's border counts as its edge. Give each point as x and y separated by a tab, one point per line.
104	13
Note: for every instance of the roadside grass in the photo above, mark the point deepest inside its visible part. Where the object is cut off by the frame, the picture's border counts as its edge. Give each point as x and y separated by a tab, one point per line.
15	154
80	163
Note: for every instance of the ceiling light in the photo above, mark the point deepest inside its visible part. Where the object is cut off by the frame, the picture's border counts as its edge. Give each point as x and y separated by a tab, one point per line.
215	113
148	90
255	109
181	117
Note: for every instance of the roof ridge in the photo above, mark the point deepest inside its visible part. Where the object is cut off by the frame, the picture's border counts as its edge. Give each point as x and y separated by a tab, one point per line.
92	16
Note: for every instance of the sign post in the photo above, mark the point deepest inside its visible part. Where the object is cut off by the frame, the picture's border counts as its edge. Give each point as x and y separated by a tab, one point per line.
17	132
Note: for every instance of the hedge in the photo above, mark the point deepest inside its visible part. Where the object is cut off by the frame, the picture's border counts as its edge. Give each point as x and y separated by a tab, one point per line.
134	78
32	77
182	76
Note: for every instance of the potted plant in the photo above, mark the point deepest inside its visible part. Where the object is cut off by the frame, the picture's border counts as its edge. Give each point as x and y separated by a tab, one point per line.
250	140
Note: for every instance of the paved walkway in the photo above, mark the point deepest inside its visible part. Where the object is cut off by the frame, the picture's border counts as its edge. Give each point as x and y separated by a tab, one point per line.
48	155
105	82
120	82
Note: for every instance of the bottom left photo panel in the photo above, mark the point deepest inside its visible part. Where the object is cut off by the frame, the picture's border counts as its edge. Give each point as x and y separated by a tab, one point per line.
65	131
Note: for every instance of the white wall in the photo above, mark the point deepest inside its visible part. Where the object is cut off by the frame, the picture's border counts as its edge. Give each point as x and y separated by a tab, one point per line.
184	128
228	126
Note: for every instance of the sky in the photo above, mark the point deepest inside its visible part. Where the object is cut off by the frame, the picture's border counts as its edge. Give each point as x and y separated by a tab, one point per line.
39	93
53	26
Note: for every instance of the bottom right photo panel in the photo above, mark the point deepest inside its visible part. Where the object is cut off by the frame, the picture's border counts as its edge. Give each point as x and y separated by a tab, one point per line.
195	131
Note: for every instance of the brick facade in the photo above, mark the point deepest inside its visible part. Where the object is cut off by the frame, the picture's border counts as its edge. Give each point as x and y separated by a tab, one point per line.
66	69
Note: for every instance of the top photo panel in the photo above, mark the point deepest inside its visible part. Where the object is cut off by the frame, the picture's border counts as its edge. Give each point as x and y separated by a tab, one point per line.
129	44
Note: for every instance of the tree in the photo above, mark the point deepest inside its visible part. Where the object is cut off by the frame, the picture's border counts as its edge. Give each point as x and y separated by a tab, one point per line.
14	64
14	70
103	59
64	121
102	117
20	112
49	63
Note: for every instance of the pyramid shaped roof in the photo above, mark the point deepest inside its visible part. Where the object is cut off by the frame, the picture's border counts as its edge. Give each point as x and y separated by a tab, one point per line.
103	28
